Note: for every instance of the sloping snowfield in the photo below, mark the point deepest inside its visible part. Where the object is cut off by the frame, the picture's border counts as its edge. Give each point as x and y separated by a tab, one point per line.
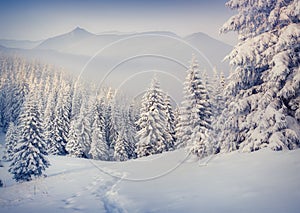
264	181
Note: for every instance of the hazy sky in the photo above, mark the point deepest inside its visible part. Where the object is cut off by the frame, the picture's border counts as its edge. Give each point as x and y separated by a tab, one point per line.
37	19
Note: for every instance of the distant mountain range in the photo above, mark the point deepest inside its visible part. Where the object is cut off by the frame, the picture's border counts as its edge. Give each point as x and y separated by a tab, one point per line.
81	42
23	44
124	54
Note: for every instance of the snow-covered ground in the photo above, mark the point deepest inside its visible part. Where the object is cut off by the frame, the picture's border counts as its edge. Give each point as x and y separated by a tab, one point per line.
264	181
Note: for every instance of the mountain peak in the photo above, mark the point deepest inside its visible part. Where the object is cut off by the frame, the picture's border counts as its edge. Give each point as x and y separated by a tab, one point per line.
80	31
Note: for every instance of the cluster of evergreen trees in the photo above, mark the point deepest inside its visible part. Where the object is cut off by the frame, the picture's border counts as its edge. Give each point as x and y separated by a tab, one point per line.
45	111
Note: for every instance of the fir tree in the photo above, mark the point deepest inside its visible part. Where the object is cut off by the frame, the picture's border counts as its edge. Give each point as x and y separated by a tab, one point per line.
79	142
29	159
170	123
263	91
11	139
61	122
194	120
121	148
151	137
50	120
110	129
74	146
99	148
16	100
131	130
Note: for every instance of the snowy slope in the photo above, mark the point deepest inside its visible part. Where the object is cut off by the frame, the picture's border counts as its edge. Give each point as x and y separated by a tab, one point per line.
263	181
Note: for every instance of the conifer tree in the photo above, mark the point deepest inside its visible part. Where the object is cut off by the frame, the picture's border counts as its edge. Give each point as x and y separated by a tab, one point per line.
11	139
121	148
152	135
170	123
194	120
99	149
61	121
29	159
74	146
83	128
263	91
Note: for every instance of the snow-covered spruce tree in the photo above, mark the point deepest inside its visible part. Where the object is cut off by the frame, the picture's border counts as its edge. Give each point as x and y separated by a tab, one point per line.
61	121
110	129
170	122
79	141
124	148
218	105
29	159
99	149
16	100
121	148
194	121
127	126
77	97
49	117
263	92
132	129
152	135
217	96
11	139
74	147
3	97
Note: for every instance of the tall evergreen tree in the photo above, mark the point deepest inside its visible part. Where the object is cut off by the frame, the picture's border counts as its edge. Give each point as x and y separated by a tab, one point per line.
194	120
264	90
110	129
82	131
61	122
99	149
29	159
151	137
50	119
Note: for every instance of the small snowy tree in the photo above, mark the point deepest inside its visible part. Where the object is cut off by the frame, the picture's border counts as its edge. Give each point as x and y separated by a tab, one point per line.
217	97
170	123
126	134
29	159
121	148
131	129
79	142
16	100
11	139
74	147
99	149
